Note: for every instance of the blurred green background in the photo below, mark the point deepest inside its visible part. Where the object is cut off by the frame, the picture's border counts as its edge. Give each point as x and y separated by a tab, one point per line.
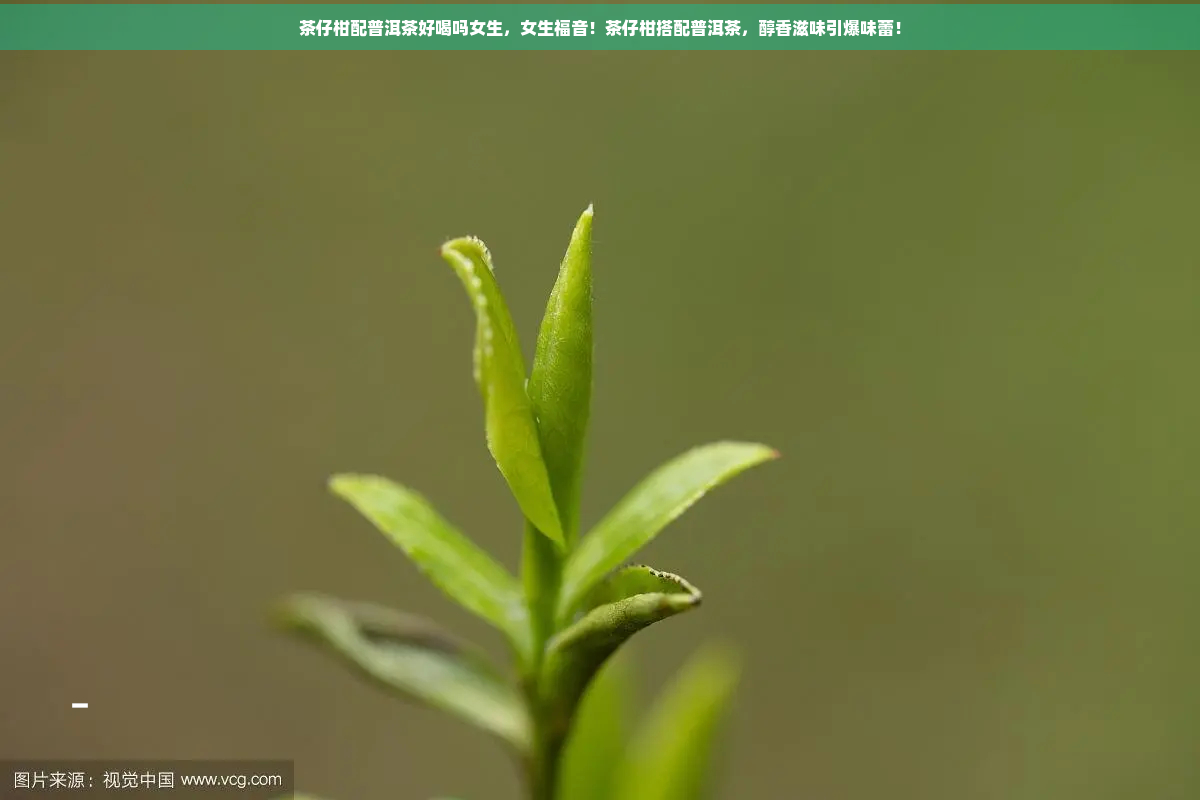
958	291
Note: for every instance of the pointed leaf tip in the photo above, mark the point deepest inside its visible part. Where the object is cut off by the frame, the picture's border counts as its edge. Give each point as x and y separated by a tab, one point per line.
499	368
560	384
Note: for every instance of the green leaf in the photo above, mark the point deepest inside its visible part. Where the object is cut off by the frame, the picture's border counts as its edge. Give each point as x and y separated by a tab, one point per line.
512	433
629	600
598	735
560	384
671	754
648	508
415	659
453	562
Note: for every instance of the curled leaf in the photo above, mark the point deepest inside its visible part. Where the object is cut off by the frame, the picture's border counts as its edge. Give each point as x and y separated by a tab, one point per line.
671	755
560	384
454	563
512	433
414	658
629	600
648	508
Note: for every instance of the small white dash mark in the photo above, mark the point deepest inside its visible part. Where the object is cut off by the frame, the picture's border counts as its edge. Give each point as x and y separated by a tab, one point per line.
78	705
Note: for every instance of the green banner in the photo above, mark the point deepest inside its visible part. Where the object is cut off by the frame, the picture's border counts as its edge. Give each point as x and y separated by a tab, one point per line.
599	27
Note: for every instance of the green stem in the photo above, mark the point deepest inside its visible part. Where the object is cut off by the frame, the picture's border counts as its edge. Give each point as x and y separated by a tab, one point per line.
541	573
542	769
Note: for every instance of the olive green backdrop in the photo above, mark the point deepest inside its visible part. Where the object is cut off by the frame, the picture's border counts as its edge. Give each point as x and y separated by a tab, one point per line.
958	291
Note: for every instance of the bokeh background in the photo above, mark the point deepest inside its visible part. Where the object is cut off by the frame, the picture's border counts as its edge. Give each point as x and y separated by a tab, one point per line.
958	291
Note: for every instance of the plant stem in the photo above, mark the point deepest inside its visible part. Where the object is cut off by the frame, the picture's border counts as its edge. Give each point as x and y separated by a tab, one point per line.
542	769
541	572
